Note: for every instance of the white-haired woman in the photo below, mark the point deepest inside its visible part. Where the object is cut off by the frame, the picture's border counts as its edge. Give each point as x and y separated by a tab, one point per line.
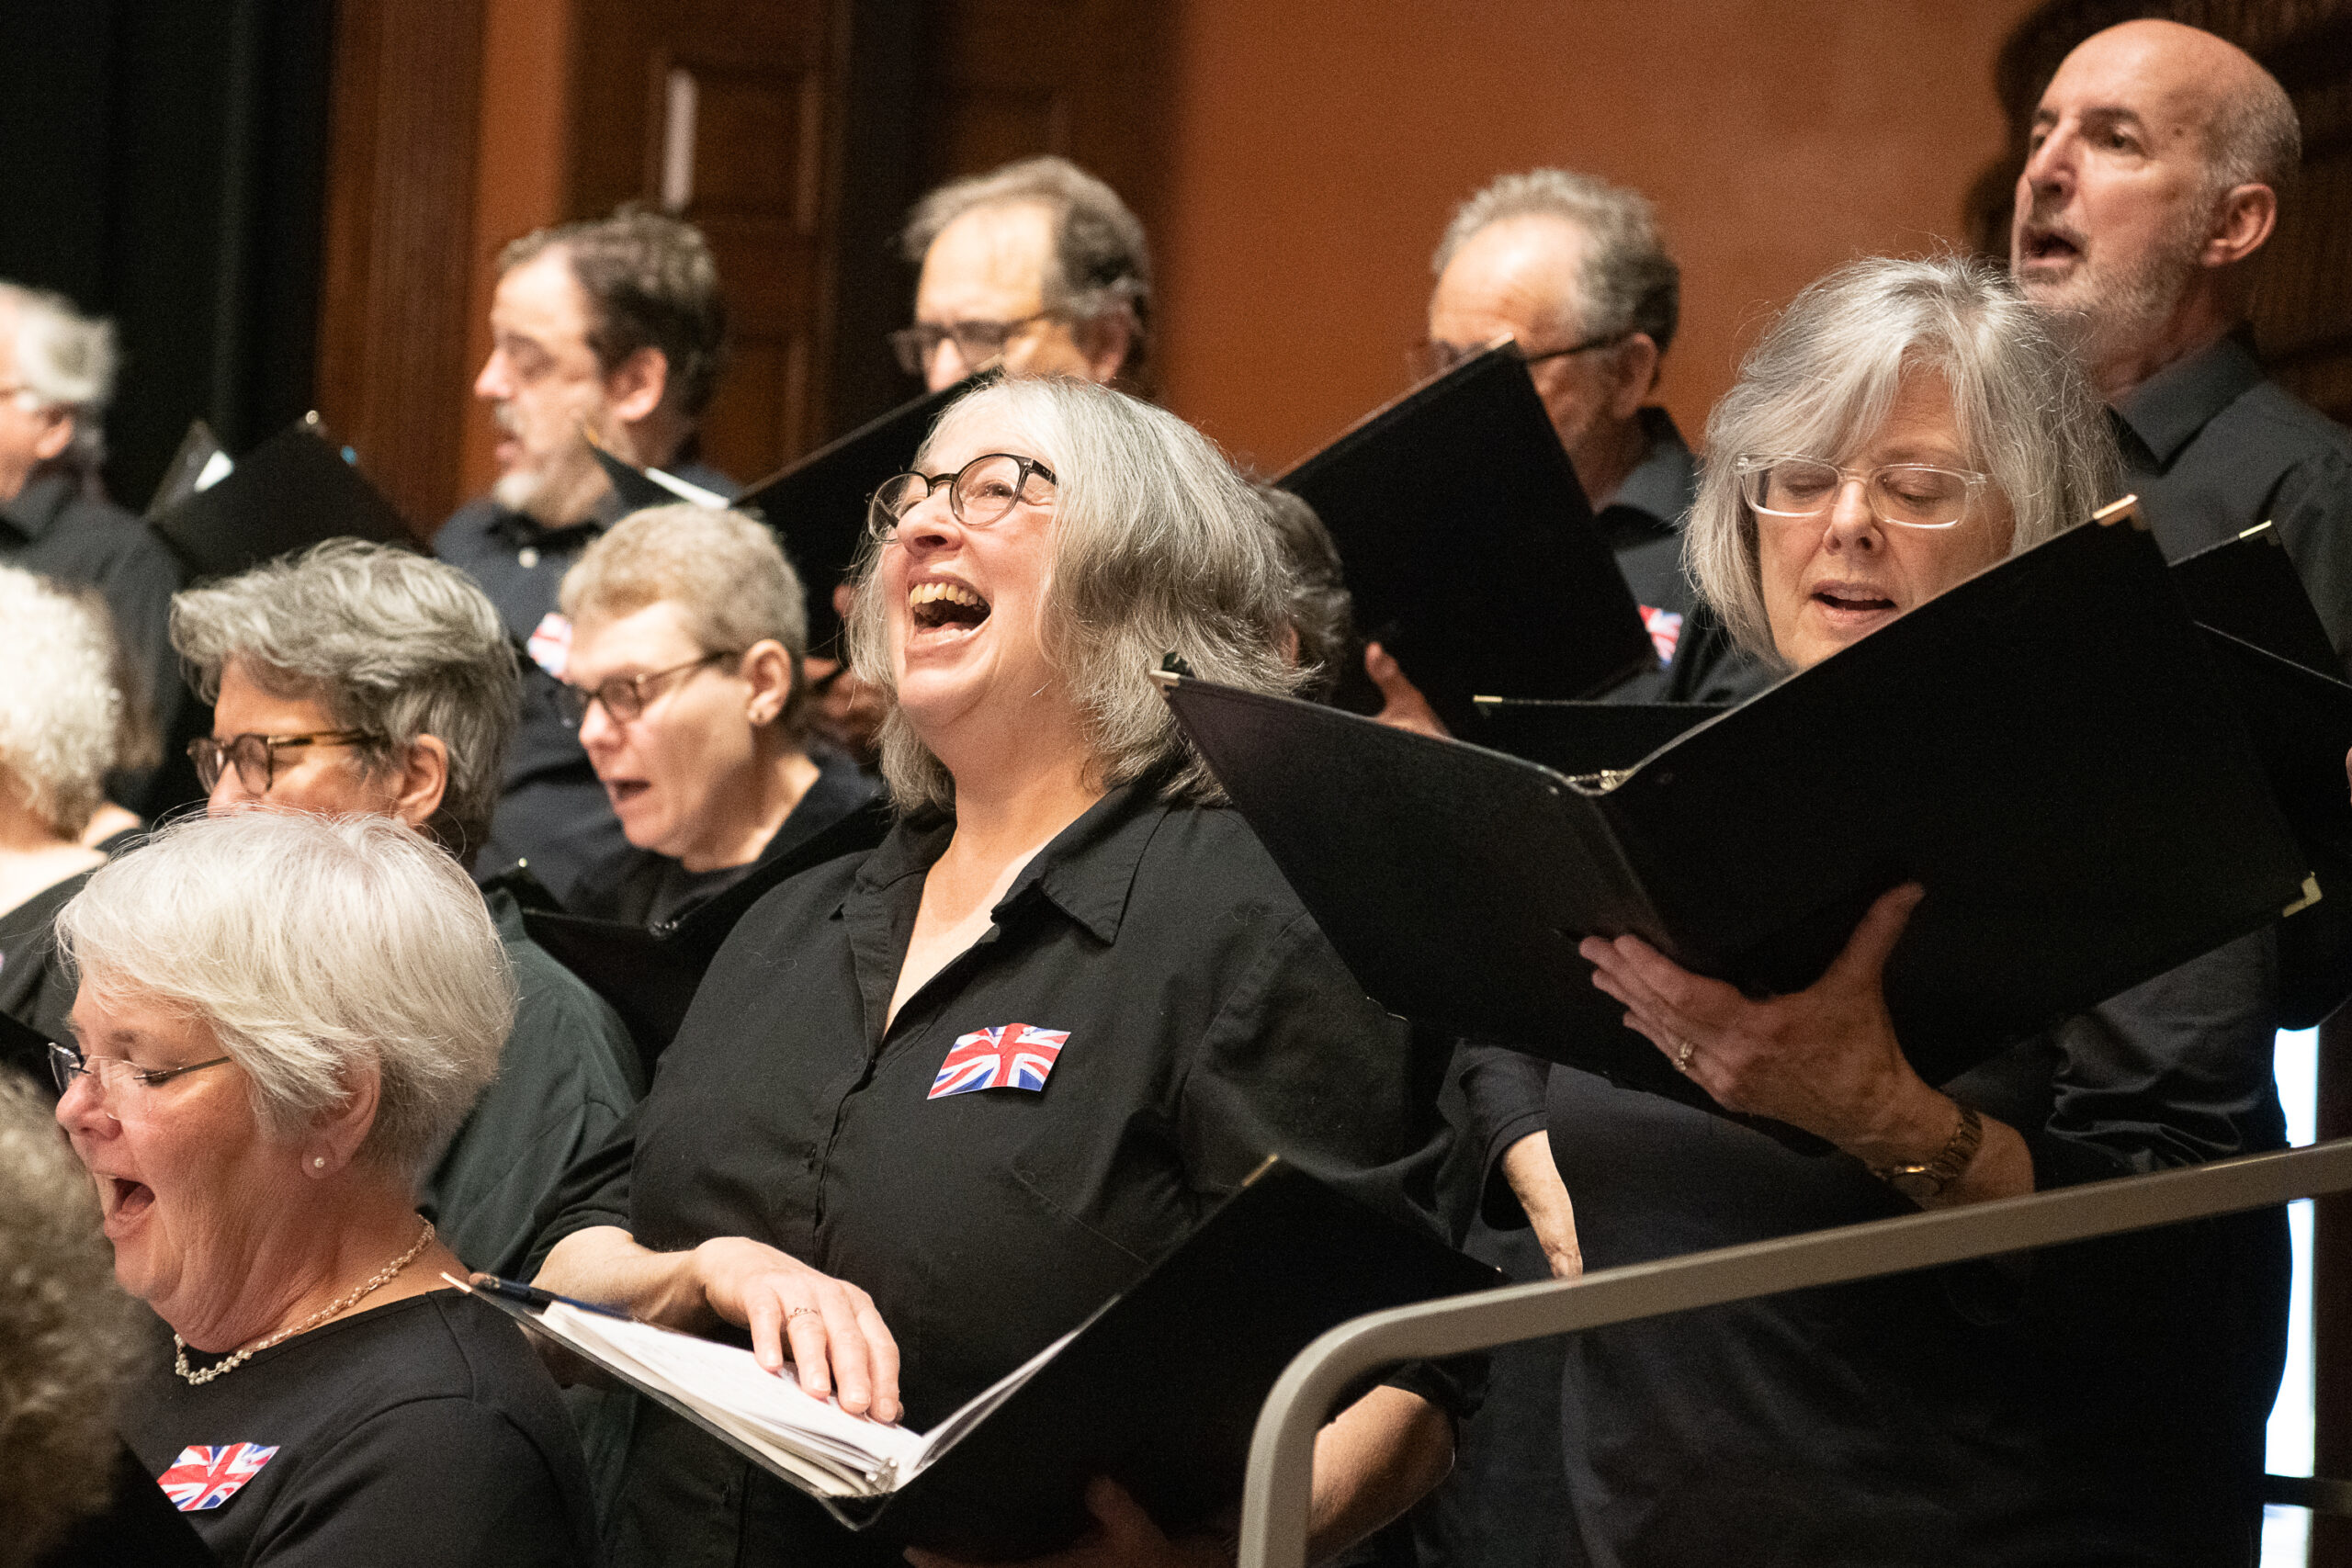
808	1166
1904	424
685	675
281	1018
61	715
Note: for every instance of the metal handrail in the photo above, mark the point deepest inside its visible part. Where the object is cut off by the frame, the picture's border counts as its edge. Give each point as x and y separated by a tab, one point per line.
1276	1494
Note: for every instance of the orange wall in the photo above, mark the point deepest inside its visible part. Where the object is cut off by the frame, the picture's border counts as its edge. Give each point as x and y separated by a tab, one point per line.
1317	151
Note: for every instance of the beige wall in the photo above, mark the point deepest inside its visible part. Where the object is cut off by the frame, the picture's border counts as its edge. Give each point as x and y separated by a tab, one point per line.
1317	150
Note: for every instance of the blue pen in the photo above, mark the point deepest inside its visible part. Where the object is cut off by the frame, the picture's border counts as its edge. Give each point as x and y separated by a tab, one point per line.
531	1295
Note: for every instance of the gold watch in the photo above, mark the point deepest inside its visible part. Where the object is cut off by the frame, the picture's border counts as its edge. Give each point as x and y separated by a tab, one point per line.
1921	1183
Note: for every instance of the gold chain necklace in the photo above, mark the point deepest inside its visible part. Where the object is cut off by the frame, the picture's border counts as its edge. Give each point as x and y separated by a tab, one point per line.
382	1277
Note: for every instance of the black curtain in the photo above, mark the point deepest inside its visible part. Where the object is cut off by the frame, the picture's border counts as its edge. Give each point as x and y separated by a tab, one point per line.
164	162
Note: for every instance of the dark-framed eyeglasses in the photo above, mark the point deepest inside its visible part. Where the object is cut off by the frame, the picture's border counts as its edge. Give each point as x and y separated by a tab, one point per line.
1437	356
114	1074
625	697
976	343
255	756
1906	495
982	491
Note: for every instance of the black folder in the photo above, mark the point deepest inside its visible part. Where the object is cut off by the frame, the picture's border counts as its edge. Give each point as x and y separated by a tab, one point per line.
1584	738
2249	588
183	475
818	502
2047	747
1161	1387
1468	546
295	489
649	975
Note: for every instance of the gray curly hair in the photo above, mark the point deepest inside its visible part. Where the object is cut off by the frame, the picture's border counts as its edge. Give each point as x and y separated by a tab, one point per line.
69	1336
62	712
314	948
1825	373
392	643
1158	546
1627	282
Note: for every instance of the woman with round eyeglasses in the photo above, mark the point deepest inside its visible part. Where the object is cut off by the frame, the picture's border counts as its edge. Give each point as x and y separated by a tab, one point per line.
832	1166
686	681
281	1018
1902	425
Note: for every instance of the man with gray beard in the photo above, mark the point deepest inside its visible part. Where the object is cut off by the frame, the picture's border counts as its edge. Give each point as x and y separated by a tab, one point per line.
611	325
2156	159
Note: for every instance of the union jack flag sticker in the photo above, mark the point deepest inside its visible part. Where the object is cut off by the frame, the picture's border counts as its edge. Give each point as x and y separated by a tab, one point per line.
550	643
1011	1055
206	1477
1665	629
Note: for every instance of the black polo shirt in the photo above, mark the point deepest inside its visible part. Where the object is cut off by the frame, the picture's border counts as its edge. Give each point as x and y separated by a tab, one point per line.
56	528
1643	521
553	812
2213	447
1202	1021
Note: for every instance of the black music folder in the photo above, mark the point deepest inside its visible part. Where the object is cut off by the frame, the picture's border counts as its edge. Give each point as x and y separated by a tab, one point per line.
1468	546
1159	1389
295	489
649	975
2249	588
197	464
818	502
2048	748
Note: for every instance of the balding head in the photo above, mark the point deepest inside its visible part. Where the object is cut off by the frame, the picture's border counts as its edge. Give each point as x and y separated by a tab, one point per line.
2156	158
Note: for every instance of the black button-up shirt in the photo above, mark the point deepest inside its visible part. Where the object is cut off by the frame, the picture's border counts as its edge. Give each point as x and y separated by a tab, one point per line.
2214	447
552	813
55	529
1206	1020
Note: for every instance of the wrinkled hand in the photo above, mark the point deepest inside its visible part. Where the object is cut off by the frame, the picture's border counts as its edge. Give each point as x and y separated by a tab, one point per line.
1824	1059
1123	1536
837	1339
1402	704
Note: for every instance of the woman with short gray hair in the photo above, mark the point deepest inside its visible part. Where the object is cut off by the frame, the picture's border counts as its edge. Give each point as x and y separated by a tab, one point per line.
1903	426
281	1018
1062	882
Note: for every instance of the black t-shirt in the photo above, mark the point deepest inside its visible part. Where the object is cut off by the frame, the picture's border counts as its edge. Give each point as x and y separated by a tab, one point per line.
424	1431
1202	1023
35	987
641	888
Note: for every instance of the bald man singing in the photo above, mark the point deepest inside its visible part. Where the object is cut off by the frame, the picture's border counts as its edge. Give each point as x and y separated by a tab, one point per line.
2157	157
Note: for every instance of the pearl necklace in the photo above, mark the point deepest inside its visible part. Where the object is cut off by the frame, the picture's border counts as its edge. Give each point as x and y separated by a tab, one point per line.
375	1280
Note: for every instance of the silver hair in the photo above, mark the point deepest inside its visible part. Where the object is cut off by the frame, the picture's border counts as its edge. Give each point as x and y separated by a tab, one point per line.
1101	262
70	1338
62	714
2255	137
1627	282
316	949
728	577
1825	373
390	643
1158	548
65	360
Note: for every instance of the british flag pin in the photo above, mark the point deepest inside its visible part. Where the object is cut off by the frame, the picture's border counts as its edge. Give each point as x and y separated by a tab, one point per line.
205	1476
1011	1055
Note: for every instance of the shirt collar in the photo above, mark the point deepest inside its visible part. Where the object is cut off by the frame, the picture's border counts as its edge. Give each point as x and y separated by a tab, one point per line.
37	506
1086	872
1661	483
2167	410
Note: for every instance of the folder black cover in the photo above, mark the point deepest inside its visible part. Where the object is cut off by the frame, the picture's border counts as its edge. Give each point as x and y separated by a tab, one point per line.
2047	747
295	489
184	474
1160	1389
1584	738
649	975
1468	546
2248	587
818	502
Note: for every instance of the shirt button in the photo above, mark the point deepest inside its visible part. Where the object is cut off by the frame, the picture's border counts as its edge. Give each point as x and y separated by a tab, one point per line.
528	554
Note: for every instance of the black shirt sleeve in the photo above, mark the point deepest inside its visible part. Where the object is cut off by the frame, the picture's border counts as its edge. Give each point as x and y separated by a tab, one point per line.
593	1192
1503	1090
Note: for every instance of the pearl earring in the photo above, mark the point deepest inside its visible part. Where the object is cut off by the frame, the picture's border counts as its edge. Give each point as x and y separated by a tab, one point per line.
318	1162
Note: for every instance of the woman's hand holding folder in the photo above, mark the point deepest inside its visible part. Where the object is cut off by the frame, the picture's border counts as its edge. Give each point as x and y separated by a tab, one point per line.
1824	1059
